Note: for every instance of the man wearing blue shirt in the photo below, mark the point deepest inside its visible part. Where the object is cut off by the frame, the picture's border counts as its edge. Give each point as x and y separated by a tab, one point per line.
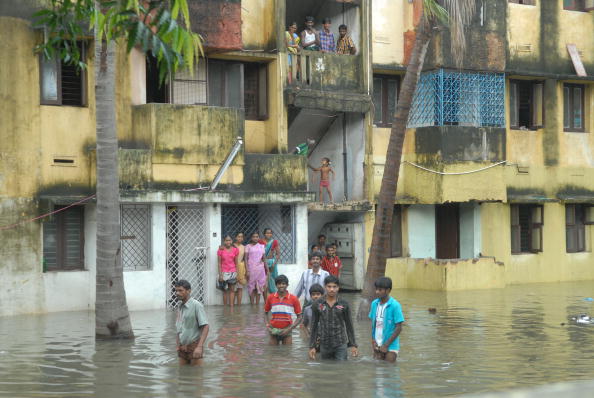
386	322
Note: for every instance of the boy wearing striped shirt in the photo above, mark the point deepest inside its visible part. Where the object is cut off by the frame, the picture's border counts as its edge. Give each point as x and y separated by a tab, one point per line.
282	305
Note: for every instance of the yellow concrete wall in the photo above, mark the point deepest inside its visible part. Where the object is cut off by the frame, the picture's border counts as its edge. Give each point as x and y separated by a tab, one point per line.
429	274
389	24
577	29
257	24
553	264
523	34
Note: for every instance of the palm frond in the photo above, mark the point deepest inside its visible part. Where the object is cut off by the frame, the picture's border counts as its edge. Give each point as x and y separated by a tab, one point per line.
460	13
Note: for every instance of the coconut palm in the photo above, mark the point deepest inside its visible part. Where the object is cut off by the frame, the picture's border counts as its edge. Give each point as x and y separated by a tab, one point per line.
436	14
153	27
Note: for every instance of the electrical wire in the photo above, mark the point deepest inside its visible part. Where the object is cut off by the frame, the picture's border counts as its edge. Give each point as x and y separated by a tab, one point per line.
5	227
455	174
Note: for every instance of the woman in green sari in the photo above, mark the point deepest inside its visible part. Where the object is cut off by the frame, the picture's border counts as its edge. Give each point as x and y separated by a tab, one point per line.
272	253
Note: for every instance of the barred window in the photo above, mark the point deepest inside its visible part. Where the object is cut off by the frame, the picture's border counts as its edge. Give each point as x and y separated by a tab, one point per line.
63	240
385	97
573	107
445	97
135	236
254	218
526	104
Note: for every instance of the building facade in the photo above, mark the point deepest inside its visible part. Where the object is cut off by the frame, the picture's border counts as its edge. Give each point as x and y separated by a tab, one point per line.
496	182
495	186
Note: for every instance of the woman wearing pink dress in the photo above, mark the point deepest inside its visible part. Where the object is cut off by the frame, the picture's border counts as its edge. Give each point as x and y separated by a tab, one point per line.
257	272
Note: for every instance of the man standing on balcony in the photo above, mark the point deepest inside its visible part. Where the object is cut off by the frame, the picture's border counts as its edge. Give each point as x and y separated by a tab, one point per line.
345	44
309	37
327	42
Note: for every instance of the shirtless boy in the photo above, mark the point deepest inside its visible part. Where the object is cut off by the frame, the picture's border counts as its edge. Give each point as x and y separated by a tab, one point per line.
325	171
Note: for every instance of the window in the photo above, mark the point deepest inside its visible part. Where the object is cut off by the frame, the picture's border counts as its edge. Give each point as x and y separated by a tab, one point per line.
62	83
255	91
526	228
135	235
447	230
385	97
396	235
227	84
525	2
577	5
63	240
526	104
573	107
156	91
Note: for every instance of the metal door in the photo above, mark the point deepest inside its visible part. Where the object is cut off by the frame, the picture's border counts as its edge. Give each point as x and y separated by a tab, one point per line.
187	237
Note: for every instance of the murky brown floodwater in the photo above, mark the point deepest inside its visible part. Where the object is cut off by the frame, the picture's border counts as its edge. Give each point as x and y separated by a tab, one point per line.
477	341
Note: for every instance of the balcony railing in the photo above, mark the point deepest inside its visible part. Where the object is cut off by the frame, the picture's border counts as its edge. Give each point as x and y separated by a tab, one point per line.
325	71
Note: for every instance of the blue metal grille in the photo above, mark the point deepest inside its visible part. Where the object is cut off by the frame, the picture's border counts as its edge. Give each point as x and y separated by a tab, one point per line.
446	97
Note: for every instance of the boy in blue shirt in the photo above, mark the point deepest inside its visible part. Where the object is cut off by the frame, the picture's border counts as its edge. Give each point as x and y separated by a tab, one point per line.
386	322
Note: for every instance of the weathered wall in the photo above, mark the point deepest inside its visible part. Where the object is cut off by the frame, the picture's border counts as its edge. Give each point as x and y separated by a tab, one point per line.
390	21
219	23
538	38
258	25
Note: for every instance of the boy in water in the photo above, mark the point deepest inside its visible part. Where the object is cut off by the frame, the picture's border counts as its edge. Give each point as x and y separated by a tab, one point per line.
283	305
386	322
325	171
316	291
332	325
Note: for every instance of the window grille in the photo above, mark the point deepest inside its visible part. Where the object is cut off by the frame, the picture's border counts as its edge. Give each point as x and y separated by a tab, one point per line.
254	218
187	248
447	97
136	237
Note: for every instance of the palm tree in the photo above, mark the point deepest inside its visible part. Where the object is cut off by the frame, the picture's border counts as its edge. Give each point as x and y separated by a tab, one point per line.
457	14
152	26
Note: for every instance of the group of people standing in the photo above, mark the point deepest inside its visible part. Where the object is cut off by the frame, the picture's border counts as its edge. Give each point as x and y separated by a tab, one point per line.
252	266
313	40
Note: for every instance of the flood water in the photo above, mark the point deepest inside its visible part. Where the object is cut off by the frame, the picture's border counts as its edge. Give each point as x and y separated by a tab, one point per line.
476	341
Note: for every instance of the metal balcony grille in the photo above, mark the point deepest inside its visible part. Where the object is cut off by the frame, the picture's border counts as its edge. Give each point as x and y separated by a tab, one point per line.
136	237
446	97
254	218
187	240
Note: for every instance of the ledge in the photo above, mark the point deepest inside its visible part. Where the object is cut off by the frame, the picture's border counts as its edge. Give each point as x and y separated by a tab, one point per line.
350	206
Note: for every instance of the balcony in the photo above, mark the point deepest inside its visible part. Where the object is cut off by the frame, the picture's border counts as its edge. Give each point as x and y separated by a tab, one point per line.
180	147
327	81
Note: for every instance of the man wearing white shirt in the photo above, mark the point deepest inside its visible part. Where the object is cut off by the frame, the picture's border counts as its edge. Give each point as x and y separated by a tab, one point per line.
310	277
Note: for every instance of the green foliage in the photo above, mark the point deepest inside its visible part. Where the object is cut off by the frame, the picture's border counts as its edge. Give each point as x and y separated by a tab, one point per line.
161	27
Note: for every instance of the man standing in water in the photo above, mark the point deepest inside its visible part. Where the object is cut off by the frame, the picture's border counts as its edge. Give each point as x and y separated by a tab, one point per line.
386	322
283	305
333	324
191	324
310	277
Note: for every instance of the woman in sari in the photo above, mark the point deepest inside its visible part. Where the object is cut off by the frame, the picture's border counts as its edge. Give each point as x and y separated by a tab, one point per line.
241	269
257	271
272	252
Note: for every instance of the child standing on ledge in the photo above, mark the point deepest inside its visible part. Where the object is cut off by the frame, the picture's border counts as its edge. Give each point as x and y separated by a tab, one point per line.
325	171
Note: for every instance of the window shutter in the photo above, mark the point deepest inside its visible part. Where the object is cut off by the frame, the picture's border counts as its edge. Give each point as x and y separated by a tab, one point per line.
537	105
396	235
566	107
234	86
536	229
515	229
513	105
73	237
50	244
263	92
50	83
589	214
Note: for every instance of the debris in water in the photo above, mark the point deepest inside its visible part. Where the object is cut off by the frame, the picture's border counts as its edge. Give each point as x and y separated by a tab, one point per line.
583	319
432	310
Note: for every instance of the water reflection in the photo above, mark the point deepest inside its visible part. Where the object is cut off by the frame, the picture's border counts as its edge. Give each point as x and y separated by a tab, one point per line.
475	341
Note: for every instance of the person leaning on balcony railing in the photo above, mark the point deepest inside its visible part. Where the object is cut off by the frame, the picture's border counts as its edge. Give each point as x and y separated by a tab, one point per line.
310	39
326	38
345	44
292	41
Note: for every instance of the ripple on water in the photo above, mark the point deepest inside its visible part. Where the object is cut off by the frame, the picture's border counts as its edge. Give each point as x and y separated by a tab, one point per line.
473	341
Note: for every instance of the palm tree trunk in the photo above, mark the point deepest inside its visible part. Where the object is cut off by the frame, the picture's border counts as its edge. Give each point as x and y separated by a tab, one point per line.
380	242
112	319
